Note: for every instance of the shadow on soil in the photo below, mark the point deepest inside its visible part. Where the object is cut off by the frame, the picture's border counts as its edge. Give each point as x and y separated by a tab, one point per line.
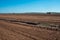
54	27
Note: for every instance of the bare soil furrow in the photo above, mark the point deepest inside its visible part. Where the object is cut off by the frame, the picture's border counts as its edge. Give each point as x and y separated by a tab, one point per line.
34	33
10	35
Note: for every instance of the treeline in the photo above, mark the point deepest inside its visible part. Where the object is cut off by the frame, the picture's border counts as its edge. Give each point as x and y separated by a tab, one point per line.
34	13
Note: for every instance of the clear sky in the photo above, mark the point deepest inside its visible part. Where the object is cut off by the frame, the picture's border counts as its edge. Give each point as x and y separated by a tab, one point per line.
18	6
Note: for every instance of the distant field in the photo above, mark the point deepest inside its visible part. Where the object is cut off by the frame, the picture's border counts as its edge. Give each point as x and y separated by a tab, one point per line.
38	18
29	27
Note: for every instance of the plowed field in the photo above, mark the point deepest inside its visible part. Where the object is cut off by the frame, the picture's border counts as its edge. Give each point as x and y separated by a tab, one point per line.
14	27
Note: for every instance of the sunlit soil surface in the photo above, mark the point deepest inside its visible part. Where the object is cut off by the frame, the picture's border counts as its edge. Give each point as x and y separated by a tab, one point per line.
11	30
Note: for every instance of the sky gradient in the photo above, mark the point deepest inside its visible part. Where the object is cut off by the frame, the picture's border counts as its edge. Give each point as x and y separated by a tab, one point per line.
21	6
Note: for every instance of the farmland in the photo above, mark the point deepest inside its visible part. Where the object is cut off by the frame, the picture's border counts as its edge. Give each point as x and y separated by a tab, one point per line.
29	27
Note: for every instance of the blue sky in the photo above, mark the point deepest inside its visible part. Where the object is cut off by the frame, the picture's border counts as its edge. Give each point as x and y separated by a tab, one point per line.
19	6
